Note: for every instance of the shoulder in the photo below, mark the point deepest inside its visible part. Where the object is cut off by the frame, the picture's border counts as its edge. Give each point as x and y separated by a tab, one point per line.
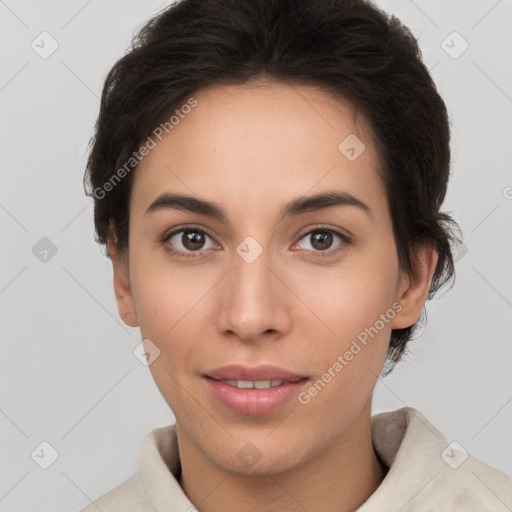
154	486
473	486
127	497
426	472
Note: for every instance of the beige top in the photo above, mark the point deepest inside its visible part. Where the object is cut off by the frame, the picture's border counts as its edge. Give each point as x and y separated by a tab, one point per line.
426	473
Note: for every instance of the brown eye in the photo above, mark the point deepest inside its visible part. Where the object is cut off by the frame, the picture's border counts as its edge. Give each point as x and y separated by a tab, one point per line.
322	239
192	240
187	240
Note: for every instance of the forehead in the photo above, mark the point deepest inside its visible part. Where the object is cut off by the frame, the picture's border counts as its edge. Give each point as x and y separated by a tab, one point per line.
258	142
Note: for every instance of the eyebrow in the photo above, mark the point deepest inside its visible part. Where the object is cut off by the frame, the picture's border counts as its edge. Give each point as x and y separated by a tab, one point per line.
297	206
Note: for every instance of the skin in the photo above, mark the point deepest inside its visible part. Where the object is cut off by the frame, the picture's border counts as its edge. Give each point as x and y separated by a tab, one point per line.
252	149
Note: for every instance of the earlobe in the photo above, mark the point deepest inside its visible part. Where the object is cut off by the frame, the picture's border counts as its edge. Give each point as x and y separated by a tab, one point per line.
413	295
122	286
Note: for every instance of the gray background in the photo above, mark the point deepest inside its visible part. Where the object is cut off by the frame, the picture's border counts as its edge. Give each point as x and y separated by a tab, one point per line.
68	373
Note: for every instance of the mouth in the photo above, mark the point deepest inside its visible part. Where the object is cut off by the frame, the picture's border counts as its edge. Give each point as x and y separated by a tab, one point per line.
254	375
256	384
253	397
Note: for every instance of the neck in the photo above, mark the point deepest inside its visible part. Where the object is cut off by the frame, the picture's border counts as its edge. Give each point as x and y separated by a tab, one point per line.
339	479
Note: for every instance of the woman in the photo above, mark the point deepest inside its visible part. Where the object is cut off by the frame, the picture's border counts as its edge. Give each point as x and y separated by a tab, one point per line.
268	178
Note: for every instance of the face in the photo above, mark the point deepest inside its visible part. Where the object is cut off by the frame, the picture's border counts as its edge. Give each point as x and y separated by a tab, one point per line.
298	291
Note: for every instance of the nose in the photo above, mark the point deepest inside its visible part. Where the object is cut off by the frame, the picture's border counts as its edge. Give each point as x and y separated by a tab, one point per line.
254	300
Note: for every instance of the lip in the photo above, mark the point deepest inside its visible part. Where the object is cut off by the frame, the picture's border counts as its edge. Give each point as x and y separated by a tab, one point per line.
253	401
263	372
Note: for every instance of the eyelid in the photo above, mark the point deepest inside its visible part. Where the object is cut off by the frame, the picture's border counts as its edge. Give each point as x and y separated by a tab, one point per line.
325	227
185	227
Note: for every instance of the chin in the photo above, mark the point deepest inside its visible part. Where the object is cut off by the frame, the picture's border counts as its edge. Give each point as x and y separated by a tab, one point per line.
250	460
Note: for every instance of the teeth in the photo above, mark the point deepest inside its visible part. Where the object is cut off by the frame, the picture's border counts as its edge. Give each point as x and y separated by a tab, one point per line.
249	384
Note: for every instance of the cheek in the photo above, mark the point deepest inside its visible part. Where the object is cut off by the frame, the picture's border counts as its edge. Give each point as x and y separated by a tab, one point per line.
370	290
357	309
165	295
353	310
168	306
170	303
343	301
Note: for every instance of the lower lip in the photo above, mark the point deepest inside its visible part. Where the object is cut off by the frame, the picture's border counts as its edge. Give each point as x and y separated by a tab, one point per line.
254	401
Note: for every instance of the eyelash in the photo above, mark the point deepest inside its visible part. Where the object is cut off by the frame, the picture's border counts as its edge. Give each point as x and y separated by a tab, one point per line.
346	241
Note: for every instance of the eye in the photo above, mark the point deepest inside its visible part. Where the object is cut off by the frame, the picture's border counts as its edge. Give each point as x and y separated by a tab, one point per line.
320	240
187	240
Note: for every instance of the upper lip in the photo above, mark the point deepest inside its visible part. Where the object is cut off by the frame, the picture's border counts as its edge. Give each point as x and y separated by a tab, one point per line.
263	372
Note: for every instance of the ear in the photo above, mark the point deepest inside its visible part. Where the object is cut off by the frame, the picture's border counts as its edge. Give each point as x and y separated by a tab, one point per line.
122	287
414	288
